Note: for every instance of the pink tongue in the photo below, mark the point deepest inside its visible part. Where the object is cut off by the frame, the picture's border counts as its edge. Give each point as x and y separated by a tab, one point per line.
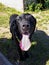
25	43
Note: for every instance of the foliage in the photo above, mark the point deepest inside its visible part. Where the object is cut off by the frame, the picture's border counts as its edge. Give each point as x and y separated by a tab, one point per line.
38	7
34	6
46	3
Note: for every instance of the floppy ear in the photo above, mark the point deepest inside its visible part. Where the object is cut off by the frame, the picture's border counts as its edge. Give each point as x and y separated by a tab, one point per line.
33	25
14	25
13	22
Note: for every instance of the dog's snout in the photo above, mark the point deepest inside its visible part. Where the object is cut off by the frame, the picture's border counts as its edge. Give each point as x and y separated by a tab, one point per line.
26	28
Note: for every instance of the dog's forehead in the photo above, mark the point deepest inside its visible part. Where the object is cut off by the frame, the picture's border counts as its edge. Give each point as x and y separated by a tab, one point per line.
22	19
24	16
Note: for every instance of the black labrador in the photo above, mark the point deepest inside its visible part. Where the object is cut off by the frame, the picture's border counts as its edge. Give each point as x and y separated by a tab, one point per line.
22	27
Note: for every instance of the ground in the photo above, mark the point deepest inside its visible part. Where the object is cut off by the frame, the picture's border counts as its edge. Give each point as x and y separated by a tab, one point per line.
40	46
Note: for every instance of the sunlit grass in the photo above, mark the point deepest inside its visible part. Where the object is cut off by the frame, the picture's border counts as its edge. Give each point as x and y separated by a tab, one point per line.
5	13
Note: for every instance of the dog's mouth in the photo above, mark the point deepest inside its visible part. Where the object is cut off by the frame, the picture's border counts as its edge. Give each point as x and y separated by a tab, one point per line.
25	43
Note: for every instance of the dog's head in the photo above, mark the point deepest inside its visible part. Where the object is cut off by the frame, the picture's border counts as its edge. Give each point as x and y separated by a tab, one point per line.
25	24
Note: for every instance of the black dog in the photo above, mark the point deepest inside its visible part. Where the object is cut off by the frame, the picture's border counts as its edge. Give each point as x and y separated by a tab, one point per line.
22	27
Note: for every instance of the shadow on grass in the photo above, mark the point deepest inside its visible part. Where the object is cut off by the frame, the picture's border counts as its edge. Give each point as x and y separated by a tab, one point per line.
39	52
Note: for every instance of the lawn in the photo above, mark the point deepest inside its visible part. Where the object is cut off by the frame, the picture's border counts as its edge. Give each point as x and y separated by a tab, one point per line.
40	46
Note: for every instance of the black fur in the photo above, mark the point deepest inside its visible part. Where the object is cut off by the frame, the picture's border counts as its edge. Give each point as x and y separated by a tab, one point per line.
21	24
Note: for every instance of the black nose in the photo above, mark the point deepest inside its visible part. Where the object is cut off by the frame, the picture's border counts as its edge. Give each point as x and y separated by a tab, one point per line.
26	26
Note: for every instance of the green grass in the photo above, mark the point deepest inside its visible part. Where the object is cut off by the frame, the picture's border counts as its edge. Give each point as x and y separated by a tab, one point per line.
5	13
40	45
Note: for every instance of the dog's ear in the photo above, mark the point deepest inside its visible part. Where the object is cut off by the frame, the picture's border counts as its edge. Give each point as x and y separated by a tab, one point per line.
12	22
33	25
14	25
